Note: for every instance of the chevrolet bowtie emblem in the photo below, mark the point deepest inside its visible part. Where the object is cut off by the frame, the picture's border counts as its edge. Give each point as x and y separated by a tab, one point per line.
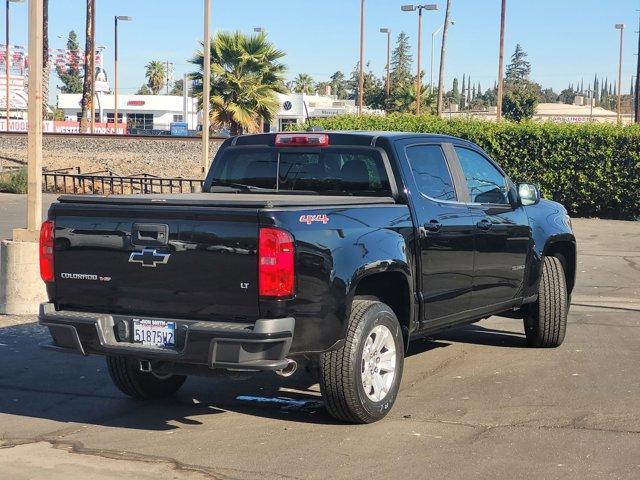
149	257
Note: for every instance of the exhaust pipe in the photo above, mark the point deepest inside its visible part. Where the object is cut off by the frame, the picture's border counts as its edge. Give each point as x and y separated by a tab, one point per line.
289	370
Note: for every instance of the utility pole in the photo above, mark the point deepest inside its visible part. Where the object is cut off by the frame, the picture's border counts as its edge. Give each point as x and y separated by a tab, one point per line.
93	69
206	87
443	52
388	67
620	26
637	96
35	122
167	66
503	13
361	72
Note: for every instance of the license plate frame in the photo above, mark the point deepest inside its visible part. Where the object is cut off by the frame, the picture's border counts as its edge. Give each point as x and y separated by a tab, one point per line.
155	333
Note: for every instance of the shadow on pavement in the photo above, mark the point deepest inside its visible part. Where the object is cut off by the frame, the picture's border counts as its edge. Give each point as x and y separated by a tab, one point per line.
67	388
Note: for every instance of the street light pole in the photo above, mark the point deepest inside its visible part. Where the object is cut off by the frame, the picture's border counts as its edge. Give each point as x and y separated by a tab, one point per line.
115	71
206	87
420	8
388	67
361	72
503	12
620	26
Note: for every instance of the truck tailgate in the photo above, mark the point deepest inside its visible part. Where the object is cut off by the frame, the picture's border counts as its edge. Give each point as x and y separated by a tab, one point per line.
162	260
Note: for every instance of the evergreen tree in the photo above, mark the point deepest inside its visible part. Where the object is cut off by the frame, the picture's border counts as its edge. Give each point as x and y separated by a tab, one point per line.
339	85
463	96
69	72
455	92
479	89
596	88
401	62
519	68
374	93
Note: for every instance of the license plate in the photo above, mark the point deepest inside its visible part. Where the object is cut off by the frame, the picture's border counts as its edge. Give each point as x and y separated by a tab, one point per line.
154	332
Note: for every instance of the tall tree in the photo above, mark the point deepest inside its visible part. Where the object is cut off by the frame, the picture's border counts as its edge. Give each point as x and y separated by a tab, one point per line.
156	75
455	92
339	85
519	68
247	75
69	72
303	83
144	90
463	94
86	104
401	62
374	93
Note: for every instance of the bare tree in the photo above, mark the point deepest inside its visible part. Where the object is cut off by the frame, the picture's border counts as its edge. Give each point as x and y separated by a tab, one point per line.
443	52
89	69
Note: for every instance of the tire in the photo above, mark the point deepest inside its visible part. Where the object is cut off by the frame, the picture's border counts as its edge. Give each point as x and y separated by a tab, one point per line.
341	371
126	375
545	321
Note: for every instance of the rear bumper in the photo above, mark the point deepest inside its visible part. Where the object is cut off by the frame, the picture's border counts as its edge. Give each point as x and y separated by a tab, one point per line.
262	345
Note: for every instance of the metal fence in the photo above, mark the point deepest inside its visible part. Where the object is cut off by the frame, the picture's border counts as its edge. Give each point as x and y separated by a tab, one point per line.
105	183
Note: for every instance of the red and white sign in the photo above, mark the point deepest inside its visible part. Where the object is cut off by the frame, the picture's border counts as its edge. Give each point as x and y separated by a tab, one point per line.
63	127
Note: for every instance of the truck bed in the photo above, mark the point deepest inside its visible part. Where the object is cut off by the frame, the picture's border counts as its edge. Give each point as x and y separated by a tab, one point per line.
248	200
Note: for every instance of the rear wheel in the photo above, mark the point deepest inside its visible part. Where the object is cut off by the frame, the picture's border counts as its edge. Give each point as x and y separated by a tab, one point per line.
360	381
126	375
545	321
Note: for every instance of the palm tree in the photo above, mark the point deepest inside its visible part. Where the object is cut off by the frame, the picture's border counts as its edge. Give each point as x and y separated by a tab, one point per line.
87	101
246	76
303	83
155	75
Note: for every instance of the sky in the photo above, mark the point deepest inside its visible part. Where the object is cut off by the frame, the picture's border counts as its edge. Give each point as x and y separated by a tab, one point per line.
567	40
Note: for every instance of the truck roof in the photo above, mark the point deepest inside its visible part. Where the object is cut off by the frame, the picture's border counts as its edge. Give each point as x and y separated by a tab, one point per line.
360	138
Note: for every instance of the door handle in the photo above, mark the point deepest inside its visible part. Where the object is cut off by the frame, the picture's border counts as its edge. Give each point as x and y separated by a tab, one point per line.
433	226
484	224
150	234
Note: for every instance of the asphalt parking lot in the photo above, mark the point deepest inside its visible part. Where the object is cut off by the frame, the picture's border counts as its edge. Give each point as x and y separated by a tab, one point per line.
474	403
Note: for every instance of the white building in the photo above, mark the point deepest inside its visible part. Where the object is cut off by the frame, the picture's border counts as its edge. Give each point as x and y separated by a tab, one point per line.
145	112
296	108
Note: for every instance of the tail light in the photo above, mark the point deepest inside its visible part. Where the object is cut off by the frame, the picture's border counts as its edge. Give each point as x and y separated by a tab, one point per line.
276	276
46	251
302	140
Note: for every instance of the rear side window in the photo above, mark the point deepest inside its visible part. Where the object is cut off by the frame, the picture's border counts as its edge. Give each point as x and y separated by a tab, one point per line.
431	172
322	171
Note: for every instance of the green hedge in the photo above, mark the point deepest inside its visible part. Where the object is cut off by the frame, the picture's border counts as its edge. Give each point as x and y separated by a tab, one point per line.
592	169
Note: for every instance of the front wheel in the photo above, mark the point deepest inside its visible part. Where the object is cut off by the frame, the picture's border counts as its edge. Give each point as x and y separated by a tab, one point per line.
545	321
360	381
126	375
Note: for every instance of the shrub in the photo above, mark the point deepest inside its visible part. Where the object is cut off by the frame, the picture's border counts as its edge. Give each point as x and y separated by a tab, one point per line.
14	181
592	169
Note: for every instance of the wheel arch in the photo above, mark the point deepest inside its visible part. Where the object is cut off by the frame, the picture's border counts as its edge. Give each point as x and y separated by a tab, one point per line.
564	249
392	287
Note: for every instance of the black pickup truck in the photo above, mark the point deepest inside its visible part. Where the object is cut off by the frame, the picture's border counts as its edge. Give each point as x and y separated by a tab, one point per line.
337	249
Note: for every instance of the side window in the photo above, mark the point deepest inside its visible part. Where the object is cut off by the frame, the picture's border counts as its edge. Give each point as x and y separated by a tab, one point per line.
431	172
486	184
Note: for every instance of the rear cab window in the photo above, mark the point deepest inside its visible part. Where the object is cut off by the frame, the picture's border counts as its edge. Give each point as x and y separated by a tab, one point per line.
322	171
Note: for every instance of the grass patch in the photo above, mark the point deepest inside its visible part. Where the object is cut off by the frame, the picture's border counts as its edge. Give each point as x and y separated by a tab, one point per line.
14	181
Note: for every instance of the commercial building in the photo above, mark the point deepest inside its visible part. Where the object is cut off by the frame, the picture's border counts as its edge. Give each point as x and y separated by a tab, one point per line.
138	112
299	108
578	112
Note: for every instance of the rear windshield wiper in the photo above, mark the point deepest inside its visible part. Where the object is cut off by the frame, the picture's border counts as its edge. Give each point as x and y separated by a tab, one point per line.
239	186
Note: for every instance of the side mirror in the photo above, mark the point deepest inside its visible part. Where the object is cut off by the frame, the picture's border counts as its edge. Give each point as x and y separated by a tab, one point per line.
528	194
